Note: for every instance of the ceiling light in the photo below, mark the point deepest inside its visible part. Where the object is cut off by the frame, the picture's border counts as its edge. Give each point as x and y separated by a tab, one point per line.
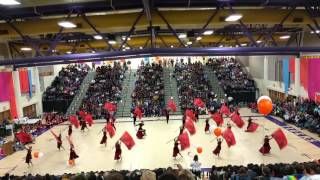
189	42
181	36
25	49
68	52
237	45
124	38
9	2
112	42
53	50
98	37
317	31
221	46
208	32
67	24
140	47
233	17
93	51
243	44
285	37
199	38
259	41
127	48
123	49
312	32
171	46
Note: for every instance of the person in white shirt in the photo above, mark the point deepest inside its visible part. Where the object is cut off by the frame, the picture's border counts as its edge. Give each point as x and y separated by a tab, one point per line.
196	166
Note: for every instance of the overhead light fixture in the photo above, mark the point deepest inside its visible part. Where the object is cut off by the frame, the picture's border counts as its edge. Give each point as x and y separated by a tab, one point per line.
233	17
97	37
208	32
25	49
237	45
68	52
112	42
67	24
93	51
124	38
259	41
317	31
312	32
53	50
243	44
9	2
285	37
140	47
181	36
199	38
171	46
221	46
127	48
189	42
123	49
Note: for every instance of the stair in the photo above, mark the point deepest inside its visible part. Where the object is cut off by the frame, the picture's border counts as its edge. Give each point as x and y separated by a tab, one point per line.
171	89
214	83
77	100
124	106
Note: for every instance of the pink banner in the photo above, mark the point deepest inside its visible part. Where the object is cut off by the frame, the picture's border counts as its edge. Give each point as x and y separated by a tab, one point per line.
24	81
313	77
4	86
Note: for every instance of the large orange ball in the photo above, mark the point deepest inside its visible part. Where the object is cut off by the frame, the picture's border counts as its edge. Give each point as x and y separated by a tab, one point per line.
71	162
265	106
36	154
217	132
199	150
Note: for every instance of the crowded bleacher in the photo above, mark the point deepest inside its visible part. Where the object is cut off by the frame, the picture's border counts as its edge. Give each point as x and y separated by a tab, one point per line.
106	87
149	90
66	84
230	74
303	113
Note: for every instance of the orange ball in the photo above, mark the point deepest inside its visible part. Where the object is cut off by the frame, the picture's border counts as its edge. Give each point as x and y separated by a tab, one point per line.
199	150
36	154
217	132
265	106
71	162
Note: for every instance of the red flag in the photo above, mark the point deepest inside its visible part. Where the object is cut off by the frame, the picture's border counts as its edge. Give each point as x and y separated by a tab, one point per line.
190	126
88	118
82	113
74	120
217	117
198	102
253	127
280	138
189	113
229	137
184	140
225	110
110	129
110	107
138	112
127	139
235	117
23	137
171	105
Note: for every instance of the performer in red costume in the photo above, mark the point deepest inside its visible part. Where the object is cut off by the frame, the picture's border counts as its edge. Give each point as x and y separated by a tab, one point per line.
265	149
29	156
206	129
117	154
104	138
141	132
217	150
176	150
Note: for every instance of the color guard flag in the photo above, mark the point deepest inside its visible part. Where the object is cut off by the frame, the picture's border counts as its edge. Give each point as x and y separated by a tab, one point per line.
184	140
88	118
236	118
127	139
110	129
280	138
253	127
138	112
225	110
229	137
189	113
74	120
171	105
217	117
110	107
198	102
190	126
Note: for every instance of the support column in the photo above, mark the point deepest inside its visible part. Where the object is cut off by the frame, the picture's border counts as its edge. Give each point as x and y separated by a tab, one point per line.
17	92
35	74
265	68
297	84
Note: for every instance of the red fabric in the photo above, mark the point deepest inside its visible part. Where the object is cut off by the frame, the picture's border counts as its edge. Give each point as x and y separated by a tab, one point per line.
304	73
225	110
189	113
110	107
24	80
110	129
280	138
82	113
292	68
236	118
74	120
229	137
23	137
253	127
138	112
184	140
171	105
217	118
127	139
190	126
198	102
13	105
88	118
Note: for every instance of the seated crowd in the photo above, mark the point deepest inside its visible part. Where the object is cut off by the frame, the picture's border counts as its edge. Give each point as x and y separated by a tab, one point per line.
304	114
106	86
192	83
66	84
230	75
149	90
305	171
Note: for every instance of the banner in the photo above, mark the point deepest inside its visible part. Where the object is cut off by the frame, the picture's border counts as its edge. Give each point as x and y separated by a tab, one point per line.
285	74
30	82
4	87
